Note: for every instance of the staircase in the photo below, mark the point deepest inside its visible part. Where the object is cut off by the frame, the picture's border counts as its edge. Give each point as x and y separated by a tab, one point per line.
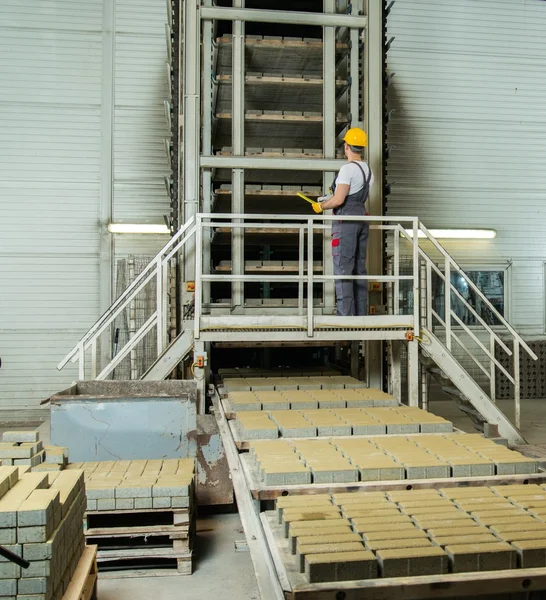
436	336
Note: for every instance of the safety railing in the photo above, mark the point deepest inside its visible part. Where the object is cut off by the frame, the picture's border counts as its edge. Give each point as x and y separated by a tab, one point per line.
485	336
305	229
87	349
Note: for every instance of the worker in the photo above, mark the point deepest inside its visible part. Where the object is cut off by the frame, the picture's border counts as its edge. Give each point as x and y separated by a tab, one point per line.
350	191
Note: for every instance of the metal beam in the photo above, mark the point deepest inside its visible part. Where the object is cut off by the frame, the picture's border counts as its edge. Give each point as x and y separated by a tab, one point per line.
238	144
284	17
291	164
373	123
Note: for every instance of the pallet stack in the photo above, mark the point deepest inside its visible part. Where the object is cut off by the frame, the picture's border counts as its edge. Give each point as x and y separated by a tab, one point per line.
140	514
40	520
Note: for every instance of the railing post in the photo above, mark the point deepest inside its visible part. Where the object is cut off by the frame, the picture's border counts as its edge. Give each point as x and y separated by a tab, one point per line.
423	295
301	271
310	277
517	388
493	372
81	362
94	358
447	301
396	272
429	295
198	292
416	275
161	316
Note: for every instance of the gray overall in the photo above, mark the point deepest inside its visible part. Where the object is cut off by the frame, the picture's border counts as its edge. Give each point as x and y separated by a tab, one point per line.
349	241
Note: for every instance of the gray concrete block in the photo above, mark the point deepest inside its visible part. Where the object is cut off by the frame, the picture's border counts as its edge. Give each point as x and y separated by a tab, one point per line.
393	473
307	405
8	587
39	568
8	535
30	535
168	489
39	552
103	493
370	474
106	504
7	462
19	437
403	428
369	429
161	502
332	404
276	405
298	432
125	504
180	502
143	503
436	427
9	570
33	585
336	430
91	505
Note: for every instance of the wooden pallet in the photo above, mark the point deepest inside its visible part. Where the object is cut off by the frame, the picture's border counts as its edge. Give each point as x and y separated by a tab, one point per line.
141	563
84	581
124	520
260	491
471	585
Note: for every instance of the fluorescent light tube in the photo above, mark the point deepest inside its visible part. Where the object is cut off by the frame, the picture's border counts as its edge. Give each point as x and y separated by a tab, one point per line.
145	228
458	234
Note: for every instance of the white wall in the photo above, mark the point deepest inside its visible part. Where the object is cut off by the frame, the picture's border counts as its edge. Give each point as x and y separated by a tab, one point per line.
64	66
469	132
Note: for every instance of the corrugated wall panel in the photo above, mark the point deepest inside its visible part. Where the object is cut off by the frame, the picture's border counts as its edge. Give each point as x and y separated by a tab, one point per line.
468	132
50	148
140	161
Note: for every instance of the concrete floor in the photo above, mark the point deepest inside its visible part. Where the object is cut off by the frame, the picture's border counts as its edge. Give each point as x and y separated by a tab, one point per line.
219	571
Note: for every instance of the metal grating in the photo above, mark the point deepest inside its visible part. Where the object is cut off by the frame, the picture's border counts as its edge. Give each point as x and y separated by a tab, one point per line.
532	373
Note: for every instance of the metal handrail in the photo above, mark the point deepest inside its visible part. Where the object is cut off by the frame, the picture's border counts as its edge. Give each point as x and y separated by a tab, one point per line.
477	290
137	285
451	265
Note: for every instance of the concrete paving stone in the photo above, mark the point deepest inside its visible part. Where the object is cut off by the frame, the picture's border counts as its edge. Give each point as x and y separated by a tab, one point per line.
133	489
300	477
331	538
362	525
518	536
39	568
491	517
16	548
309	525
340	566
531	553
12	500
300	503
180	501
481	557
411	562
33	585
125	504
396	533
425	522
401	495
8	535
143	503
33	535
9	570
174	487
38	508
37	552
330	528
518	525
106	504
376	545
456	539
158	502
344	498
20	437
473	529
408	505
326	548
467	492
8	587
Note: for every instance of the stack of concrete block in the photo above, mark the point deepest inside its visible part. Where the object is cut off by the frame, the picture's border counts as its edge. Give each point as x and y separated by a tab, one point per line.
283	398
40	519
138	484
413	532
321	422
20	448
386	458
312	382
278	464
136	504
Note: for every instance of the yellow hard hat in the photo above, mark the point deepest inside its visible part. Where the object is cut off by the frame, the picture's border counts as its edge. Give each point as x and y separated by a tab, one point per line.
356	137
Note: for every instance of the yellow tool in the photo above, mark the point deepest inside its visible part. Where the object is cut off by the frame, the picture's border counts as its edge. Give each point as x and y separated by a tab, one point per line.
316	205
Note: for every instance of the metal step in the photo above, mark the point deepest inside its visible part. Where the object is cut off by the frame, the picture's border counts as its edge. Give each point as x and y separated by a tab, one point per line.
167	362
470	396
